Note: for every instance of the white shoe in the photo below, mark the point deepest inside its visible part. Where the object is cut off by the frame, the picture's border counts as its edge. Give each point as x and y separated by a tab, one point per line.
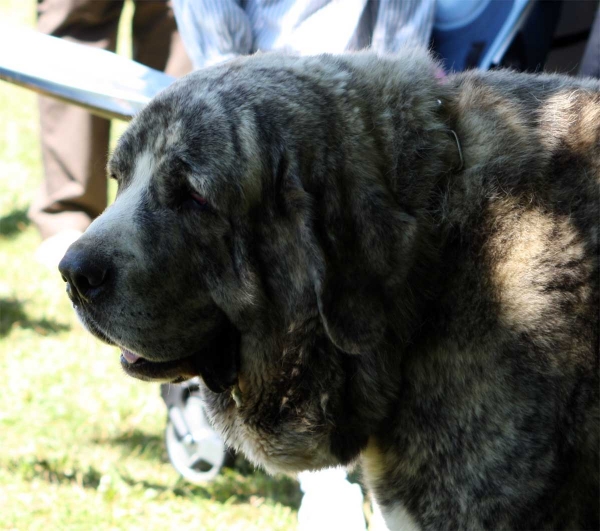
50	251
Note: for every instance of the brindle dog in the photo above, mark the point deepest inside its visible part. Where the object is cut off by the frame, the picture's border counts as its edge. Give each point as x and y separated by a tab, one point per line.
365	263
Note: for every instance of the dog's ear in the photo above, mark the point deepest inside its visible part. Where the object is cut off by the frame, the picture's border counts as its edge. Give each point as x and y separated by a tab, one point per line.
360	241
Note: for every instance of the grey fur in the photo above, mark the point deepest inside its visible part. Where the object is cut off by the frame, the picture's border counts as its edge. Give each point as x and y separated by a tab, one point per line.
367	299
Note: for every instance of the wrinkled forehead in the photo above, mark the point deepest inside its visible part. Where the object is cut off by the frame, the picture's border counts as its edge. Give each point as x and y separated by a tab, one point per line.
173	126
188	130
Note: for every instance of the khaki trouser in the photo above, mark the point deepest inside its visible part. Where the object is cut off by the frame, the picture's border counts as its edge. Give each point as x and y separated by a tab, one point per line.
75	143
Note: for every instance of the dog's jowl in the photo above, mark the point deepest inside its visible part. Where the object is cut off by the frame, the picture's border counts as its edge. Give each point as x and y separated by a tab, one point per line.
382	269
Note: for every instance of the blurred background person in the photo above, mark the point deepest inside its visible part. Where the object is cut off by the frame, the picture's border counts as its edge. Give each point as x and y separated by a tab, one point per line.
74	142
217	30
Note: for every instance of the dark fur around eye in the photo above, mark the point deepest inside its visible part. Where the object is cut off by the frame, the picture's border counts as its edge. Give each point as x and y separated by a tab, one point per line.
195	201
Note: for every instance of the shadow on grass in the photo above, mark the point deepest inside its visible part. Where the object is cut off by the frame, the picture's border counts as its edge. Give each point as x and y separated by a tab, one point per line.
54	472
12	315
143	445
237	485
14	222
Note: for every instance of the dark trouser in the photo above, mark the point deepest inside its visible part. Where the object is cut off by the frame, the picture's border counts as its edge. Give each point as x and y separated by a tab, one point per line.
75	143
590	64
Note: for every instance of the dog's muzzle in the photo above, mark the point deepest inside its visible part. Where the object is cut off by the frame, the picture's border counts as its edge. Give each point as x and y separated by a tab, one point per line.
91	279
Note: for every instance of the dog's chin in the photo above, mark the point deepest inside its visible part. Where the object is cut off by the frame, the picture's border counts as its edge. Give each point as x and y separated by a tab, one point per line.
216	363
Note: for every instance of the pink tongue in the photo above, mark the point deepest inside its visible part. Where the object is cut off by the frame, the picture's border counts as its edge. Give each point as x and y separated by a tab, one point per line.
129	356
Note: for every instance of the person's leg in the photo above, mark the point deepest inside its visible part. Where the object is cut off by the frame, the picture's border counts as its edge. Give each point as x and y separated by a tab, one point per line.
156	41
74	143
590	63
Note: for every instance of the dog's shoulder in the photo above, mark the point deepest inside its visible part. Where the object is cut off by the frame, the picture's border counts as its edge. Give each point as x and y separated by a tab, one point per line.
550	118
522	217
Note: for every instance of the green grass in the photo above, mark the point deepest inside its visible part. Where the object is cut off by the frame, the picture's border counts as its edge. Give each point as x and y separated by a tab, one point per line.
81	443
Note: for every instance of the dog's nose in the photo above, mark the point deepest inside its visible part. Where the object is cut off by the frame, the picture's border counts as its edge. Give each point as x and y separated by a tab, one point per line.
84	274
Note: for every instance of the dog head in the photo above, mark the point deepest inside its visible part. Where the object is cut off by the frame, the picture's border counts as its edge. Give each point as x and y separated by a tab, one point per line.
263	228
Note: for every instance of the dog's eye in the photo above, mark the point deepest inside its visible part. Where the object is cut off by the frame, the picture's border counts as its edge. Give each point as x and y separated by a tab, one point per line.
196	202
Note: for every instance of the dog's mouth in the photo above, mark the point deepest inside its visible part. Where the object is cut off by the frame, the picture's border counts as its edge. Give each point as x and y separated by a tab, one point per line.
173	371
216	362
